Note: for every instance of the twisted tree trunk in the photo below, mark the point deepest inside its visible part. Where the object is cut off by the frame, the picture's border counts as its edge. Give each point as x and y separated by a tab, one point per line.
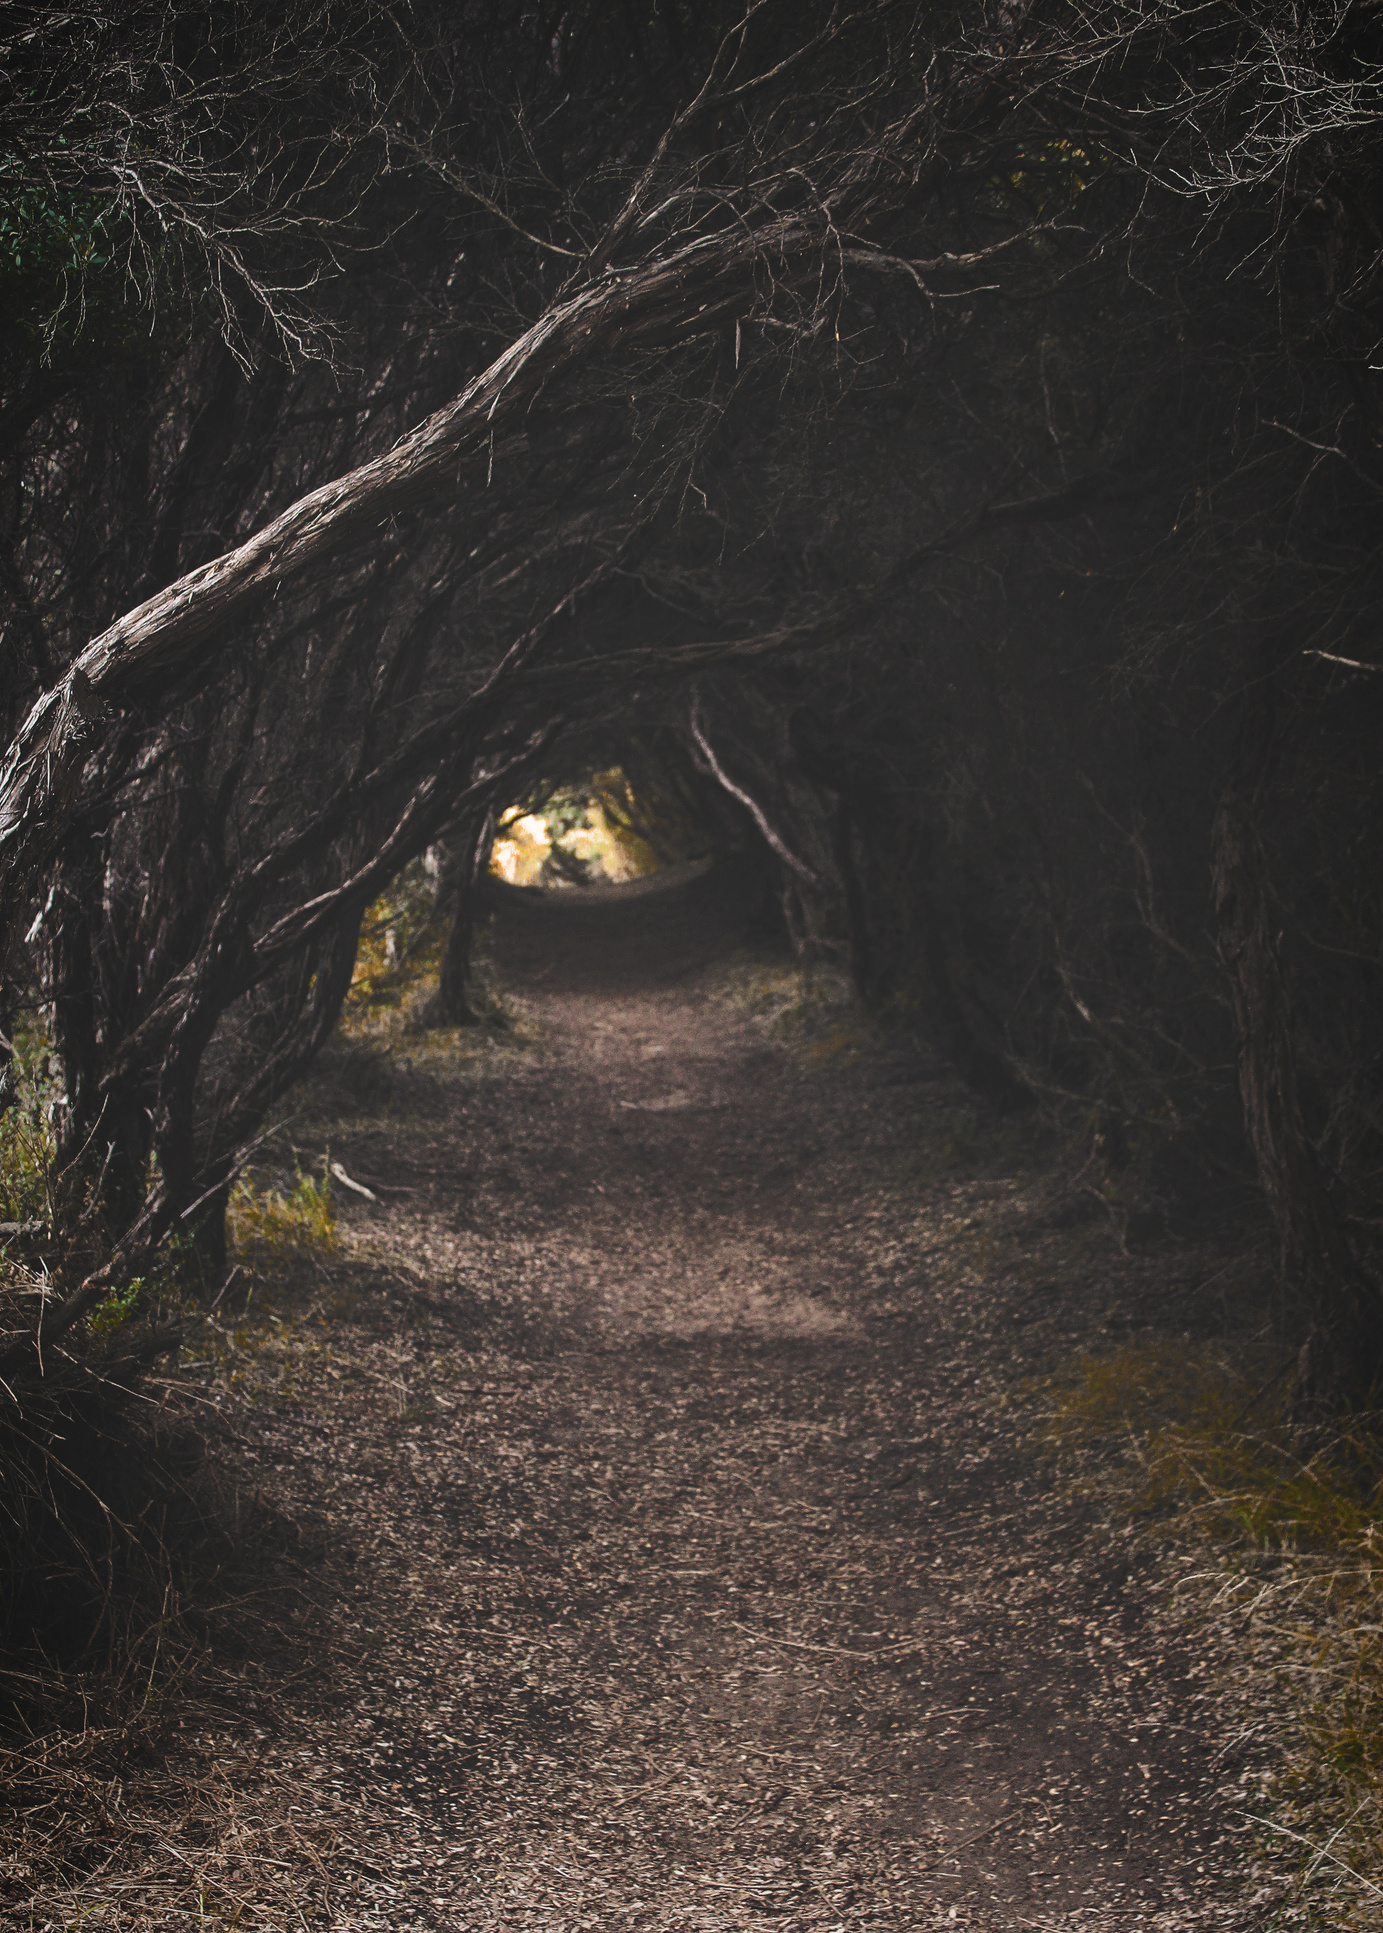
1342	1358
454	978
856	904
698	288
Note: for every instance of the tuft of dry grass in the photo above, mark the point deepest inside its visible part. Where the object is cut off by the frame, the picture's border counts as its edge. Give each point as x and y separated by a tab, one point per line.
808	1005
143	1788
1285	1577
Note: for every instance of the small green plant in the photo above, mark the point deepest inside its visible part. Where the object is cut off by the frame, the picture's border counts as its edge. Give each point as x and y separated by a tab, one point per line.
27	1144
962	1144
272	1223
111	1315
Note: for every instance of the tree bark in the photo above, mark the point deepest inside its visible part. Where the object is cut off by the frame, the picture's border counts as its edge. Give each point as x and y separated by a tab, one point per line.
209	1243
9	1081
978	1065
856	907
1342	1356
454	979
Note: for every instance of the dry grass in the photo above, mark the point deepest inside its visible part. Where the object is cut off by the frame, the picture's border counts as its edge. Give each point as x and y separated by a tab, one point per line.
150	1595
187	1612
807	1005
178	1609
1286	1579
147	1797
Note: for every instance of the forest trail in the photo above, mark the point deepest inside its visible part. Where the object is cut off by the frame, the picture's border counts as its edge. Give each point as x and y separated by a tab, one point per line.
728	1595
691	1566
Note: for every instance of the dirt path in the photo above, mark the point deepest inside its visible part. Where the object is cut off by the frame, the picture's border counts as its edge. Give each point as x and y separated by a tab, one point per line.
696	1571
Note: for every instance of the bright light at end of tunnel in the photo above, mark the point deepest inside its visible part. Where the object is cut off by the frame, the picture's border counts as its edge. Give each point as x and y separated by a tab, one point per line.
521	850
574	841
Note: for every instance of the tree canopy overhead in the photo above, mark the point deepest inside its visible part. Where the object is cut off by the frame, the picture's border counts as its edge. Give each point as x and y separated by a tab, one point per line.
951	436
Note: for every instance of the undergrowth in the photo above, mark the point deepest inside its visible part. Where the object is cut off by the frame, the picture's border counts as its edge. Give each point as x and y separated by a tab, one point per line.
148	1587
1287	1573
394	988
268	1224
26	1128
809	1005
402	939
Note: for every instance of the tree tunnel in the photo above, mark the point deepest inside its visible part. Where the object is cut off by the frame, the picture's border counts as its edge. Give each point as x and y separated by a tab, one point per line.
691	895
831	423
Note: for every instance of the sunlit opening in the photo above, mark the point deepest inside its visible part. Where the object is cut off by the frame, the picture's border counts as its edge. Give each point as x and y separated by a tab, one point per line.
582	835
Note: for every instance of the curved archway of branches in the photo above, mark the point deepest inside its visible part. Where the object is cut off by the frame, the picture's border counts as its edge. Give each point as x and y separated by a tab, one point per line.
925	420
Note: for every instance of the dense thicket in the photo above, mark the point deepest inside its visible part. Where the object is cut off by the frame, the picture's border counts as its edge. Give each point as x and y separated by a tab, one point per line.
951	434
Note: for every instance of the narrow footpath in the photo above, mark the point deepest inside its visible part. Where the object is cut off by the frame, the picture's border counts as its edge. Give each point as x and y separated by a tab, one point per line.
694	1561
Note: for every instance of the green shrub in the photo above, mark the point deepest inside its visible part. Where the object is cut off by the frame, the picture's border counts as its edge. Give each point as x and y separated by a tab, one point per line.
269	1223
26	1129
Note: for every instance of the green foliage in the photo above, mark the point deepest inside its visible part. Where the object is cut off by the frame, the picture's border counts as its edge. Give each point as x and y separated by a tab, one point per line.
401	941
271	1223
26	1128
566	812
598	826
1046	177
76	283
112	1314
45	234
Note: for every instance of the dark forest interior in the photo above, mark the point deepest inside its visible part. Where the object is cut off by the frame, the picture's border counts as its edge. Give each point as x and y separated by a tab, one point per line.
914	475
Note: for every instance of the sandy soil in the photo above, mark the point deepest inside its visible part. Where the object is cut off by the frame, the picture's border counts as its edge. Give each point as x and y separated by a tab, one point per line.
690	1557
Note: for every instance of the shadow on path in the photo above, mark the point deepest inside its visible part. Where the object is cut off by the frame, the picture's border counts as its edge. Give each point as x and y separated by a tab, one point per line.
663	1452
709	1578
